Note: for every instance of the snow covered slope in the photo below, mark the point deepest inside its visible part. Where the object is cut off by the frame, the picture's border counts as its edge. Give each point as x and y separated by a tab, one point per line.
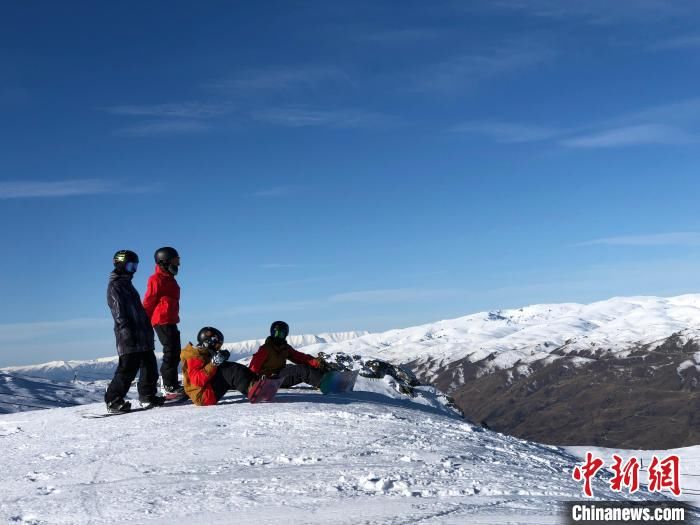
362	457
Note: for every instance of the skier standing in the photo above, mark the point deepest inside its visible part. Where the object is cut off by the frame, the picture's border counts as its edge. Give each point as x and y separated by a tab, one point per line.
271	360
162	303
206	372
134	335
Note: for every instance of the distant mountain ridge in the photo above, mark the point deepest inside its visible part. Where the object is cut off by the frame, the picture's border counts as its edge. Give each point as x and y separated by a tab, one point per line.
624	372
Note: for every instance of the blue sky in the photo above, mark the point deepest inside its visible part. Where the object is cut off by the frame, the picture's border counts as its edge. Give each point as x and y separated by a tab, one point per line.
342	165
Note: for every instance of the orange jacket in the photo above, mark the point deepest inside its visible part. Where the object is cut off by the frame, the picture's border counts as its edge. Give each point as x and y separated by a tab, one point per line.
197	373
272	357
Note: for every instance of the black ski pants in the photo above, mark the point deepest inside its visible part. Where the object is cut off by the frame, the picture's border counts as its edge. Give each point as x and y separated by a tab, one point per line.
230	376
294	374
169	337
142	363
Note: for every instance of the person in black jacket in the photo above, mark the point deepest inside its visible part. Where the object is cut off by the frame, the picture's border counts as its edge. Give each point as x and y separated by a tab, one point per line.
135	338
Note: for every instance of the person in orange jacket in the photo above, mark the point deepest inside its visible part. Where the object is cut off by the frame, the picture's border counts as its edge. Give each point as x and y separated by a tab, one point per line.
162	304
271	360
207	373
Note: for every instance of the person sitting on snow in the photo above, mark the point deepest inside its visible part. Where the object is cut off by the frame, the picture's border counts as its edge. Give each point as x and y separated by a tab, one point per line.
271	360
207	374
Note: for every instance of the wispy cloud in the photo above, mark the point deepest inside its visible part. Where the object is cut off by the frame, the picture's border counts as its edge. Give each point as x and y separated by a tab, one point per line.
392	295
507	132
298	117
17	332
401	36
186	110
275	191
63	188
658	239
182	118
273	308
281	78
466	71
597	12
163	128
680	42
278	266
676	123
641	134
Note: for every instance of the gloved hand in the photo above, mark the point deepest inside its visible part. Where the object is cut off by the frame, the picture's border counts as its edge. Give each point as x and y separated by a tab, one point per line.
220	357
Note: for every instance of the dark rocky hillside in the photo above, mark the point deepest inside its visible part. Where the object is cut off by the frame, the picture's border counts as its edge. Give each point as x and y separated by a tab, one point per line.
591	398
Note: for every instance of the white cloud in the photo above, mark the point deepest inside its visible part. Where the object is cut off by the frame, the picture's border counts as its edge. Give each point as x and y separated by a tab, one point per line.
186	110
281	79
274	191
599	12
507	132
680	42
297	117
18	332
64	188
462	72
394	295
401	36
659	239
164	128
641	134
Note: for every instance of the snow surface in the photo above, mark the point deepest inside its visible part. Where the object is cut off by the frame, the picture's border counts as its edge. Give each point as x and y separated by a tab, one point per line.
371	456
364	457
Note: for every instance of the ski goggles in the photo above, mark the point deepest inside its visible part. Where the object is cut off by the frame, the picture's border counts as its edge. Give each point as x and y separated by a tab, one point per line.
279	333
131	266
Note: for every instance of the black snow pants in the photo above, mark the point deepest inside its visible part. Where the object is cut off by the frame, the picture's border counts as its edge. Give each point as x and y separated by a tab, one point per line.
231	376
142	363
295	374
169	337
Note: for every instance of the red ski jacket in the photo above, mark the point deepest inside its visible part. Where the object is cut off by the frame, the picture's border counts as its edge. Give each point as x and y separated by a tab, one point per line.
271	358
162	299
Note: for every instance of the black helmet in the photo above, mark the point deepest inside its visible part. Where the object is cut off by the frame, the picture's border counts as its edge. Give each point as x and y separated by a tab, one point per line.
125	261
164	257
209	337
279	330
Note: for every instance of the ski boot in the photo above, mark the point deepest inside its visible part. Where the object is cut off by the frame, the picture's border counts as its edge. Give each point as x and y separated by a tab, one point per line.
118	406
147	402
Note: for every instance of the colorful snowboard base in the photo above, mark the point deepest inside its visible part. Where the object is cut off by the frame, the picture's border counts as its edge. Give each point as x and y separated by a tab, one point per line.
264	390
337	382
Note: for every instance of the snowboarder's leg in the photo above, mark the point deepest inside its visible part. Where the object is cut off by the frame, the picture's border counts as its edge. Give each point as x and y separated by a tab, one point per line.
231	376
295	374
126	372
148	375
169	337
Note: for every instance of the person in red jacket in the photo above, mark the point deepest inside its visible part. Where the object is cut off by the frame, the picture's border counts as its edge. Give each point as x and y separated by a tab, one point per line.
271	360
208	374
162	304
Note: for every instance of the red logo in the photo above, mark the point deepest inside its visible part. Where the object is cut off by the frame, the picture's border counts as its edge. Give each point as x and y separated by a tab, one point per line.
663	474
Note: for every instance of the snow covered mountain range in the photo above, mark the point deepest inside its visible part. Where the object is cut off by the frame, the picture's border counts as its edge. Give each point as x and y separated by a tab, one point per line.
610	373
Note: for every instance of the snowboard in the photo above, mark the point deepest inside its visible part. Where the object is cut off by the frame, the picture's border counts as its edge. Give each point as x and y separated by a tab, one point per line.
338	381
179	400
264	390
